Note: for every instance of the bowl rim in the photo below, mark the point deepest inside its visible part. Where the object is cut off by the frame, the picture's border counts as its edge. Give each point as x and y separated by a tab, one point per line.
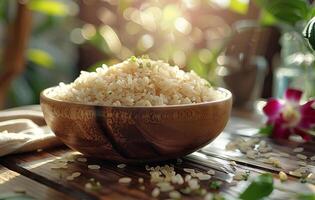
228	96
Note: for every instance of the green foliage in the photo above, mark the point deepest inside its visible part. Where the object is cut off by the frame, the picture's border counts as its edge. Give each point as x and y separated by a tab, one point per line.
260	188
215	185
93	67
305	197
238	6
40	57
49	29
3	9
49	7
309	33
266	130
45	24
197	66
99	42
267	19
285	11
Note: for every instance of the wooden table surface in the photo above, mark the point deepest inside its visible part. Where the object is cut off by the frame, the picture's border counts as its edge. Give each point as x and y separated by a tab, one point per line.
34	173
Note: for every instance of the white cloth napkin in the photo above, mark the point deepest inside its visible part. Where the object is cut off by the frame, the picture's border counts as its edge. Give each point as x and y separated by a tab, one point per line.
23	131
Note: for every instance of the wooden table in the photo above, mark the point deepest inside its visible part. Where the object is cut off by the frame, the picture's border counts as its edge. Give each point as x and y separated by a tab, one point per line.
32	173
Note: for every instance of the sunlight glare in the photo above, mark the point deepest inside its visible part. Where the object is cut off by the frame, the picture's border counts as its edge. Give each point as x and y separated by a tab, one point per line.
182	25
111	38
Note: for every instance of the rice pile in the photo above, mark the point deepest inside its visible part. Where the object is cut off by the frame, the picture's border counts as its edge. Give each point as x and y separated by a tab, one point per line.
137	82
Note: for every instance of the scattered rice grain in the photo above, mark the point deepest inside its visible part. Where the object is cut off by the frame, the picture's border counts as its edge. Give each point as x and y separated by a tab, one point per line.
301	156
193	184
88	186
208	196
295	173
165	186
124	180
187	178
70	178
82	159
233	163
121	166
189	170
94	167
177	179
175	195
298	150
76	174
155	192
283	176
302	163
140	180
241	175
203	177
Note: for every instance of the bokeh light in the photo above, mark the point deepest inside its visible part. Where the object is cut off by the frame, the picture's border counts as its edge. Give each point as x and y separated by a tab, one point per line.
111	38
88	31
182	25
145	42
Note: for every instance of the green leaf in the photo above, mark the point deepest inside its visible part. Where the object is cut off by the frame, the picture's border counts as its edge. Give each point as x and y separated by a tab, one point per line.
215	185
261	187
305	197
239	6
267	19
197	66
287	11
93	67
49	7
6	8
46	24
309	33
311	13
3	9
99	42
266	130
133	59
40	57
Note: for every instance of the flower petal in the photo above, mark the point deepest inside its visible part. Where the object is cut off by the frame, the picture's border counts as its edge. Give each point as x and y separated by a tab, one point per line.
293	95
307	115
280	131
272	109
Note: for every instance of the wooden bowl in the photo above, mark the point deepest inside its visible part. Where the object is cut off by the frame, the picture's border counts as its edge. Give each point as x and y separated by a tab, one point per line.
136	134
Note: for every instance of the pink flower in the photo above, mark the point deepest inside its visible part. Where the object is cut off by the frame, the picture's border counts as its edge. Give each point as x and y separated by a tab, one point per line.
287	117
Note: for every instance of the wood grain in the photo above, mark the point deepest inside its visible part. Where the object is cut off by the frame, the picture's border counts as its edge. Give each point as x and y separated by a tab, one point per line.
38	167
11	182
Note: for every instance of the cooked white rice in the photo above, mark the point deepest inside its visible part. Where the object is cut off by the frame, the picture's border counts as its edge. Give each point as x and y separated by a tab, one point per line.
137	82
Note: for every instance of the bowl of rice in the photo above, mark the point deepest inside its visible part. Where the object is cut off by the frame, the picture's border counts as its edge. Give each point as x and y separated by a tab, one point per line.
140	110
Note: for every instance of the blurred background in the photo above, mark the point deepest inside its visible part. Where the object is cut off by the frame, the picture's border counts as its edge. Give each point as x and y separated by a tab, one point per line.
255	48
